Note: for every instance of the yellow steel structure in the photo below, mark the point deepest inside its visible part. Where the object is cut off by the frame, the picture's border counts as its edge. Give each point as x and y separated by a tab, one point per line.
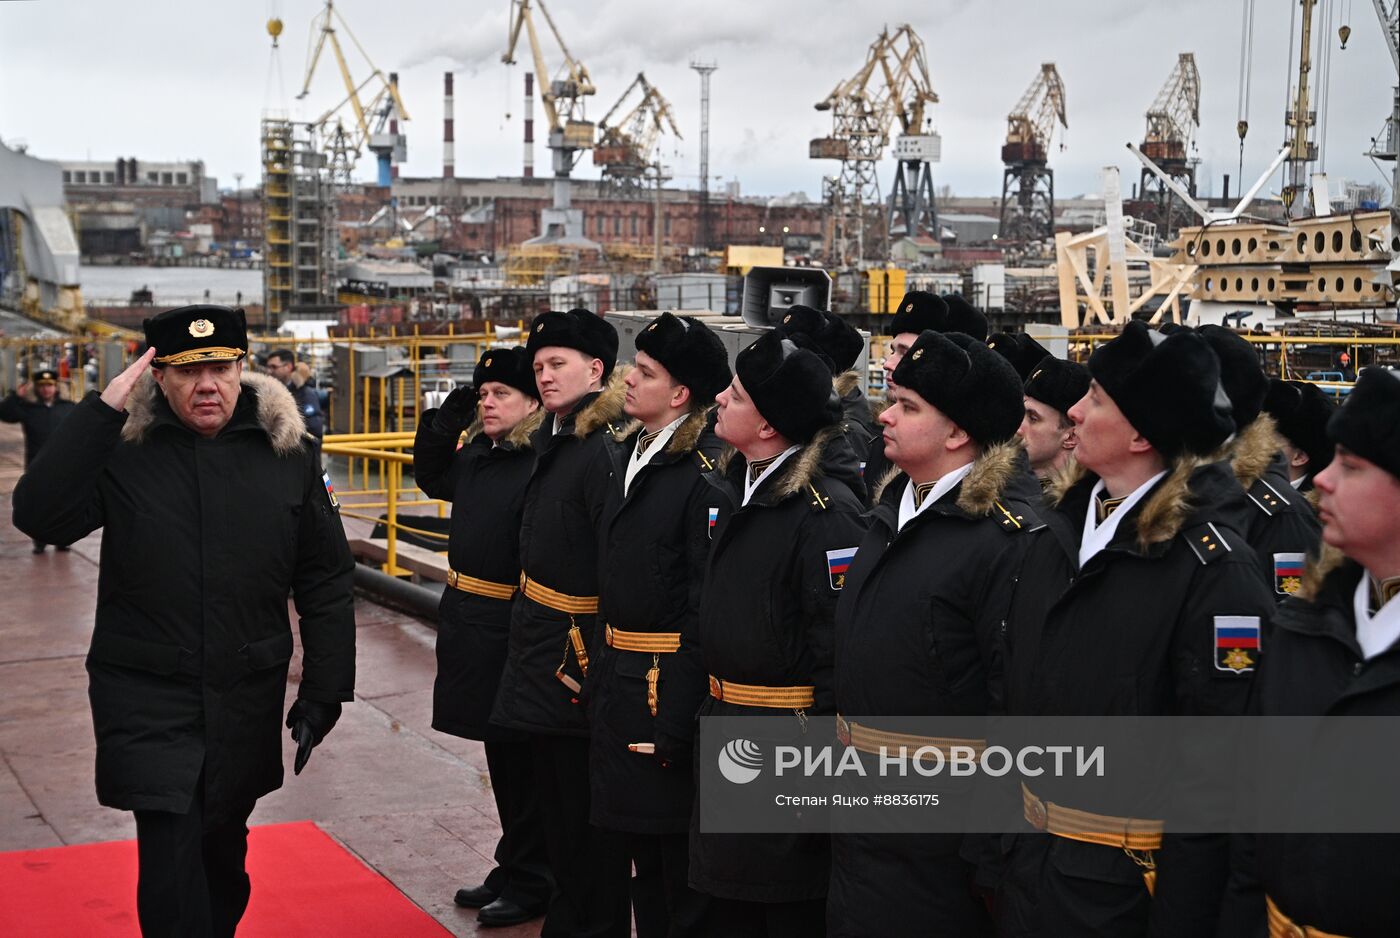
626	147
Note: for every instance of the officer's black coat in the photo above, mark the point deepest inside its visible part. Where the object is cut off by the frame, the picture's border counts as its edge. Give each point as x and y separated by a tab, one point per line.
1132	634
917	633
309	406
1274	518
656	541
857	419
560	530
38	420
486	485
767	618
1345	884
203	540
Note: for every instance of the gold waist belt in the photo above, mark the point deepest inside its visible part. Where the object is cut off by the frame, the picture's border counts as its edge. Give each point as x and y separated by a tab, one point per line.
488	588
656	643
753	695
1102	829
559	602
868	739
1281	926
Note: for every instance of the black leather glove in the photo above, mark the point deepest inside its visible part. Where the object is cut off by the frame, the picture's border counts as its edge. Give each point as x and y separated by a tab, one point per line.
457	411
672	751
310	721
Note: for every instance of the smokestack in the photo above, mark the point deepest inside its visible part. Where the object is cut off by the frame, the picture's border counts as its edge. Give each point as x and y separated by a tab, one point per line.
394	126
529	125
1226	194
448	167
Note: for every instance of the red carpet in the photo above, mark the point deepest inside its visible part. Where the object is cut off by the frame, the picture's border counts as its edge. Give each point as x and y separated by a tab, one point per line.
304	885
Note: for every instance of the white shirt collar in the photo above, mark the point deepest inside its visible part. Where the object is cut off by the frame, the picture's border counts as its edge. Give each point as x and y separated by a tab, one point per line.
1097	536
638	460
1375	633
752	486
944	485
1296	483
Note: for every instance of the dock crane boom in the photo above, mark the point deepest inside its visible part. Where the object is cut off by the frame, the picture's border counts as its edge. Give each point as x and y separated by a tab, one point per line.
626	147
1172	121
1028	183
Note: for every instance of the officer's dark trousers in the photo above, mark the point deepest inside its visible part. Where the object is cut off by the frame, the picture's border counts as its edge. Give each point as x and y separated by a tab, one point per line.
522	866
589	865
1054	887
732	918
192	882
664	904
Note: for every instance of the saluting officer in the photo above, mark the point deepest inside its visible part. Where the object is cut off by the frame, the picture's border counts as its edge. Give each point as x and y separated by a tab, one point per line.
1334	650
650	679
485	482
38	413
1145	515
918	621
553	621
1301	411
766	615
1274	518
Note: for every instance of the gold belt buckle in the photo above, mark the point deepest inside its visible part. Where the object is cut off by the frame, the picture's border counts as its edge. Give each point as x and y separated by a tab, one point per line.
843	730
1037	814
452	578
716	688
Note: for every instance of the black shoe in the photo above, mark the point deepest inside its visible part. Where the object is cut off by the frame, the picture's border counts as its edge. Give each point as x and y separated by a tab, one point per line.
474	897
39	548
504	912
63	549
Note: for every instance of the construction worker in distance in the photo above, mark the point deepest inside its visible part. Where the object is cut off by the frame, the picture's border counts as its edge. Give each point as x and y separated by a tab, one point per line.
554	627
485	482
649	677
918	622
1146	512
776	570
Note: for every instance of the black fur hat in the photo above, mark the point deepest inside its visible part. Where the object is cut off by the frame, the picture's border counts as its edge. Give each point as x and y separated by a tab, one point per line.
692	353
1167	386
1240	372
577	329
837	339
917	312
1368	422
1020	349
510	366
1301	411
790	385
964	317
189	335
974	386
1058	383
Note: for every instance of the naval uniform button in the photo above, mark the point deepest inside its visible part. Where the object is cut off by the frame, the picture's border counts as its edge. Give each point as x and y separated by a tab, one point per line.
1356	668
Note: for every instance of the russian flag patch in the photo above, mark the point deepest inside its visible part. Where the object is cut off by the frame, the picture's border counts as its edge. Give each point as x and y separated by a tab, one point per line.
837	563
1236	643
1288	573
330	490
713	519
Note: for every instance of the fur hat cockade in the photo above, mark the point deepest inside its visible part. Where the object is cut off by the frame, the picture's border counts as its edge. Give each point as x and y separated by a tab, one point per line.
690	351
1167	386
974	386
1368	422
790	385
513	367
577	329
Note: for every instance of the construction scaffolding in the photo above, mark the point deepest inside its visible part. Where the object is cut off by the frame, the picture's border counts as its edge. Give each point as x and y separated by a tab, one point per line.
299	232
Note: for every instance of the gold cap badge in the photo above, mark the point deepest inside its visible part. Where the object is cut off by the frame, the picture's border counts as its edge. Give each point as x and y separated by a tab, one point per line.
787	318
201	328
487	362
909	308
539	326
917	353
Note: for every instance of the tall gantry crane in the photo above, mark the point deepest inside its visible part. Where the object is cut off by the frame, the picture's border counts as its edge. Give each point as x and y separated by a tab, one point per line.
892	84
384	107
569	130
1028	183
1172	122
1386	146
626	147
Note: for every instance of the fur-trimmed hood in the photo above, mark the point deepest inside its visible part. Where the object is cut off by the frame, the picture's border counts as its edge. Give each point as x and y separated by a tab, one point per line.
1319	568
990	480
846	382
519	435
604	409
1165	512
276	411
827	454
1251	452
686	438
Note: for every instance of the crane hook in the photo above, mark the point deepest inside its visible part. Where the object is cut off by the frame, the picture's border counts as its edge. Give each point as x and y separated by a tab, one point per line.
1345	34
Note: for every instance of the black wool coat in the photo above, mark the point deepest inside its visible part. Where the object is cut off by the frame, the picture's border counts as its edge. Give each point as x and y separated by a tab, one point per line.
203	541
767	618
917	633
559	539
1130	634
858	421
1344	884
486	485
37	419
656	540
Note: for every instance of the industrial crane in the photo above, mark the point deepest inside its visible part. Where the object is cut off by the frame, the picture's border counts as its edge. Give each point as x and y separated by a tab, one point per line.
385	106
893	84
1386	146
569	130
1171	136
1028	183
626	147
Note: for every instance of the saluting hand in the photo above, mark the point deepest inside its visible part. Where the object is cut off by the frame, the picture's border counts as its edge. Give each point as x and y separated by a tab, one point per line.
119	389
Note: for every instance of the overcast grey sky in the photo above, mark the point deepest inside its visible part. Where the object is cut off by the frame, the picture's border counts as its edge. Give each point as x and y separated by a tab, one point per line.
177	79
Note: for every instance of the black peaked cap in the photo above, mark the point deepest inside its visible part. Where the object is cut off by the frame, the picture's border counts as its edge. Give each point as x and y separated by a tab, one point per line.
188	335
974	386
1168	387
690	351
790	385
